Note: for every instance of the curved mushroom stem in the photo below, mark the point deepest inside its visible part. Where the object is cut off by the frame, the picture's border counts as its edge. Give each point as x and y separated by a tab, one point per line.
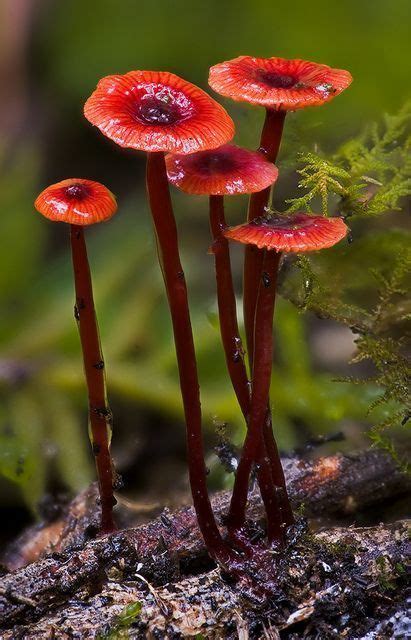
99	412
173	274
231	340
261	378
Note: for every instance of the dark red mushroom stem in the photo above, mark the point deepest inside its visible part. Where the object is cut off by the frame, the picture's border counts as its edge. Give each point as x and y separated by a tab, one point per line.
253	258
99	411
231	340
277	471
269	146
167	245
227	306
261	378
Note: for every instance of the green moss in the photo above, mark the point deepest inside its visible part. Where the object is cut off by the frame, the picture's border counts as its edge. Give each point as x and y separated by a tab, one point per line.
385	580
123	622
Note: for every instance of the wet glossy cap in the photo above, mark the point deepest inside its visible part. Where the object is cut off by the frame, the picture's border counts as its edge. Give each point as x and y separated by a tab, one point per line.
294	233
278	83
158	111
76	201
228	170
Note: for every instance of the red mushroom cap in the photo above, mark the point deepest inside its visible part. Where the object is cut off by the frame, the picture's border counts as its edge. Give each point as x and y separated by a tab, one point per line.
157	111
228	170
278	83
293	233
76	201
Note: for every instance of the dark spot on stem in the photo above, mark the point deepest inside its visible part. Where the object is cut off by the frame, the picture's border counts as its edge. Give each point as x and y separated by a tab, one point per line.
76	313
96	448
103	412
99	364
266	279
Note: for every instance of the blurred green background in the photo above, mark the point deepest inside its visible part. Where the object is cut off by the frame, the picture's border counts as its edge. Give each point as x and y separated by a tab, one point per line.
52	54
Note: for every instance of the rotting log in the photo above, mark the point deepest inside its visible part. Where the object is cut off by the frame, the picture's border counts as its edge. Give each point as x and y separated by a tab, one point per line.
338	583
82	585
329	486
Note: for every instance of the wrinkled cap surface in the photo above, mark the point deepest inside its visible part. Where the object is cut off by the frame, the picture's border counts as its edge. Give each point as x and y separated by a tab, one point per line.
157	111
76	201
294	233
228	170
278	83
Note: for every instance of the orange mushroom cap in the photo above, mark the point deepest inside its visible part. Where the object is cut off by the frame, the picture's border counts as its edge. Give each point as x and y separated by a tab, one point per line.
292	233
278	83
228	170
76	201
157	111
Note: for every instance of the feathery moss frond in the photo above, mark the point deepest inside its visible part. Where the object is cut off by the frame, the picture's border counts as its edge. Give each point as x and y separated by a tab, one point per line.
368	176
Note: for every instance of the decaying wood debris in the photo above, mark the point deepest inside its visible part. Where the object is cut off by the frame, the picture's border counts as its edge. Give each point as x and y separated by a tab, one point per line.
157	581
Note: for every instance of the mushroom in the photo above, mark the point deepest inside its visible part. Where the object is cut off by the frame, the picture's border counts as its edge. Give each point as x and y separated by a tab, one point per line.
159	112
279	85
271	235
80	203
229	170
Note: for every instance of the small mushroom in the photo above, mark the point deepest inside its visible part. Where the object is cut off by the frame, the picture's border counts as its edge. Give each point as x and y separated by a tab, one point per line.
292	233
271	235
226	171
229	170
81	203
279	85
158	112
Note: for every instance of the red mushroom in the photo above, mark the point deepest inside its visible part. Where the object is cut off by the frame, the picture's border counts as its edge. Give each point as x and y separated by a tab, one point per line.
226	171
81	203
271	235
159	112
156	111
279	85
292	233
229	170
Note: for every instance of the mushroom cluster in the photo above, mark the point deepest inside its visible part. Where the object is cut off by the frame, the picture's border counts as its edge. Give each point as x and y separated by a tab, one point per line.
186	135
